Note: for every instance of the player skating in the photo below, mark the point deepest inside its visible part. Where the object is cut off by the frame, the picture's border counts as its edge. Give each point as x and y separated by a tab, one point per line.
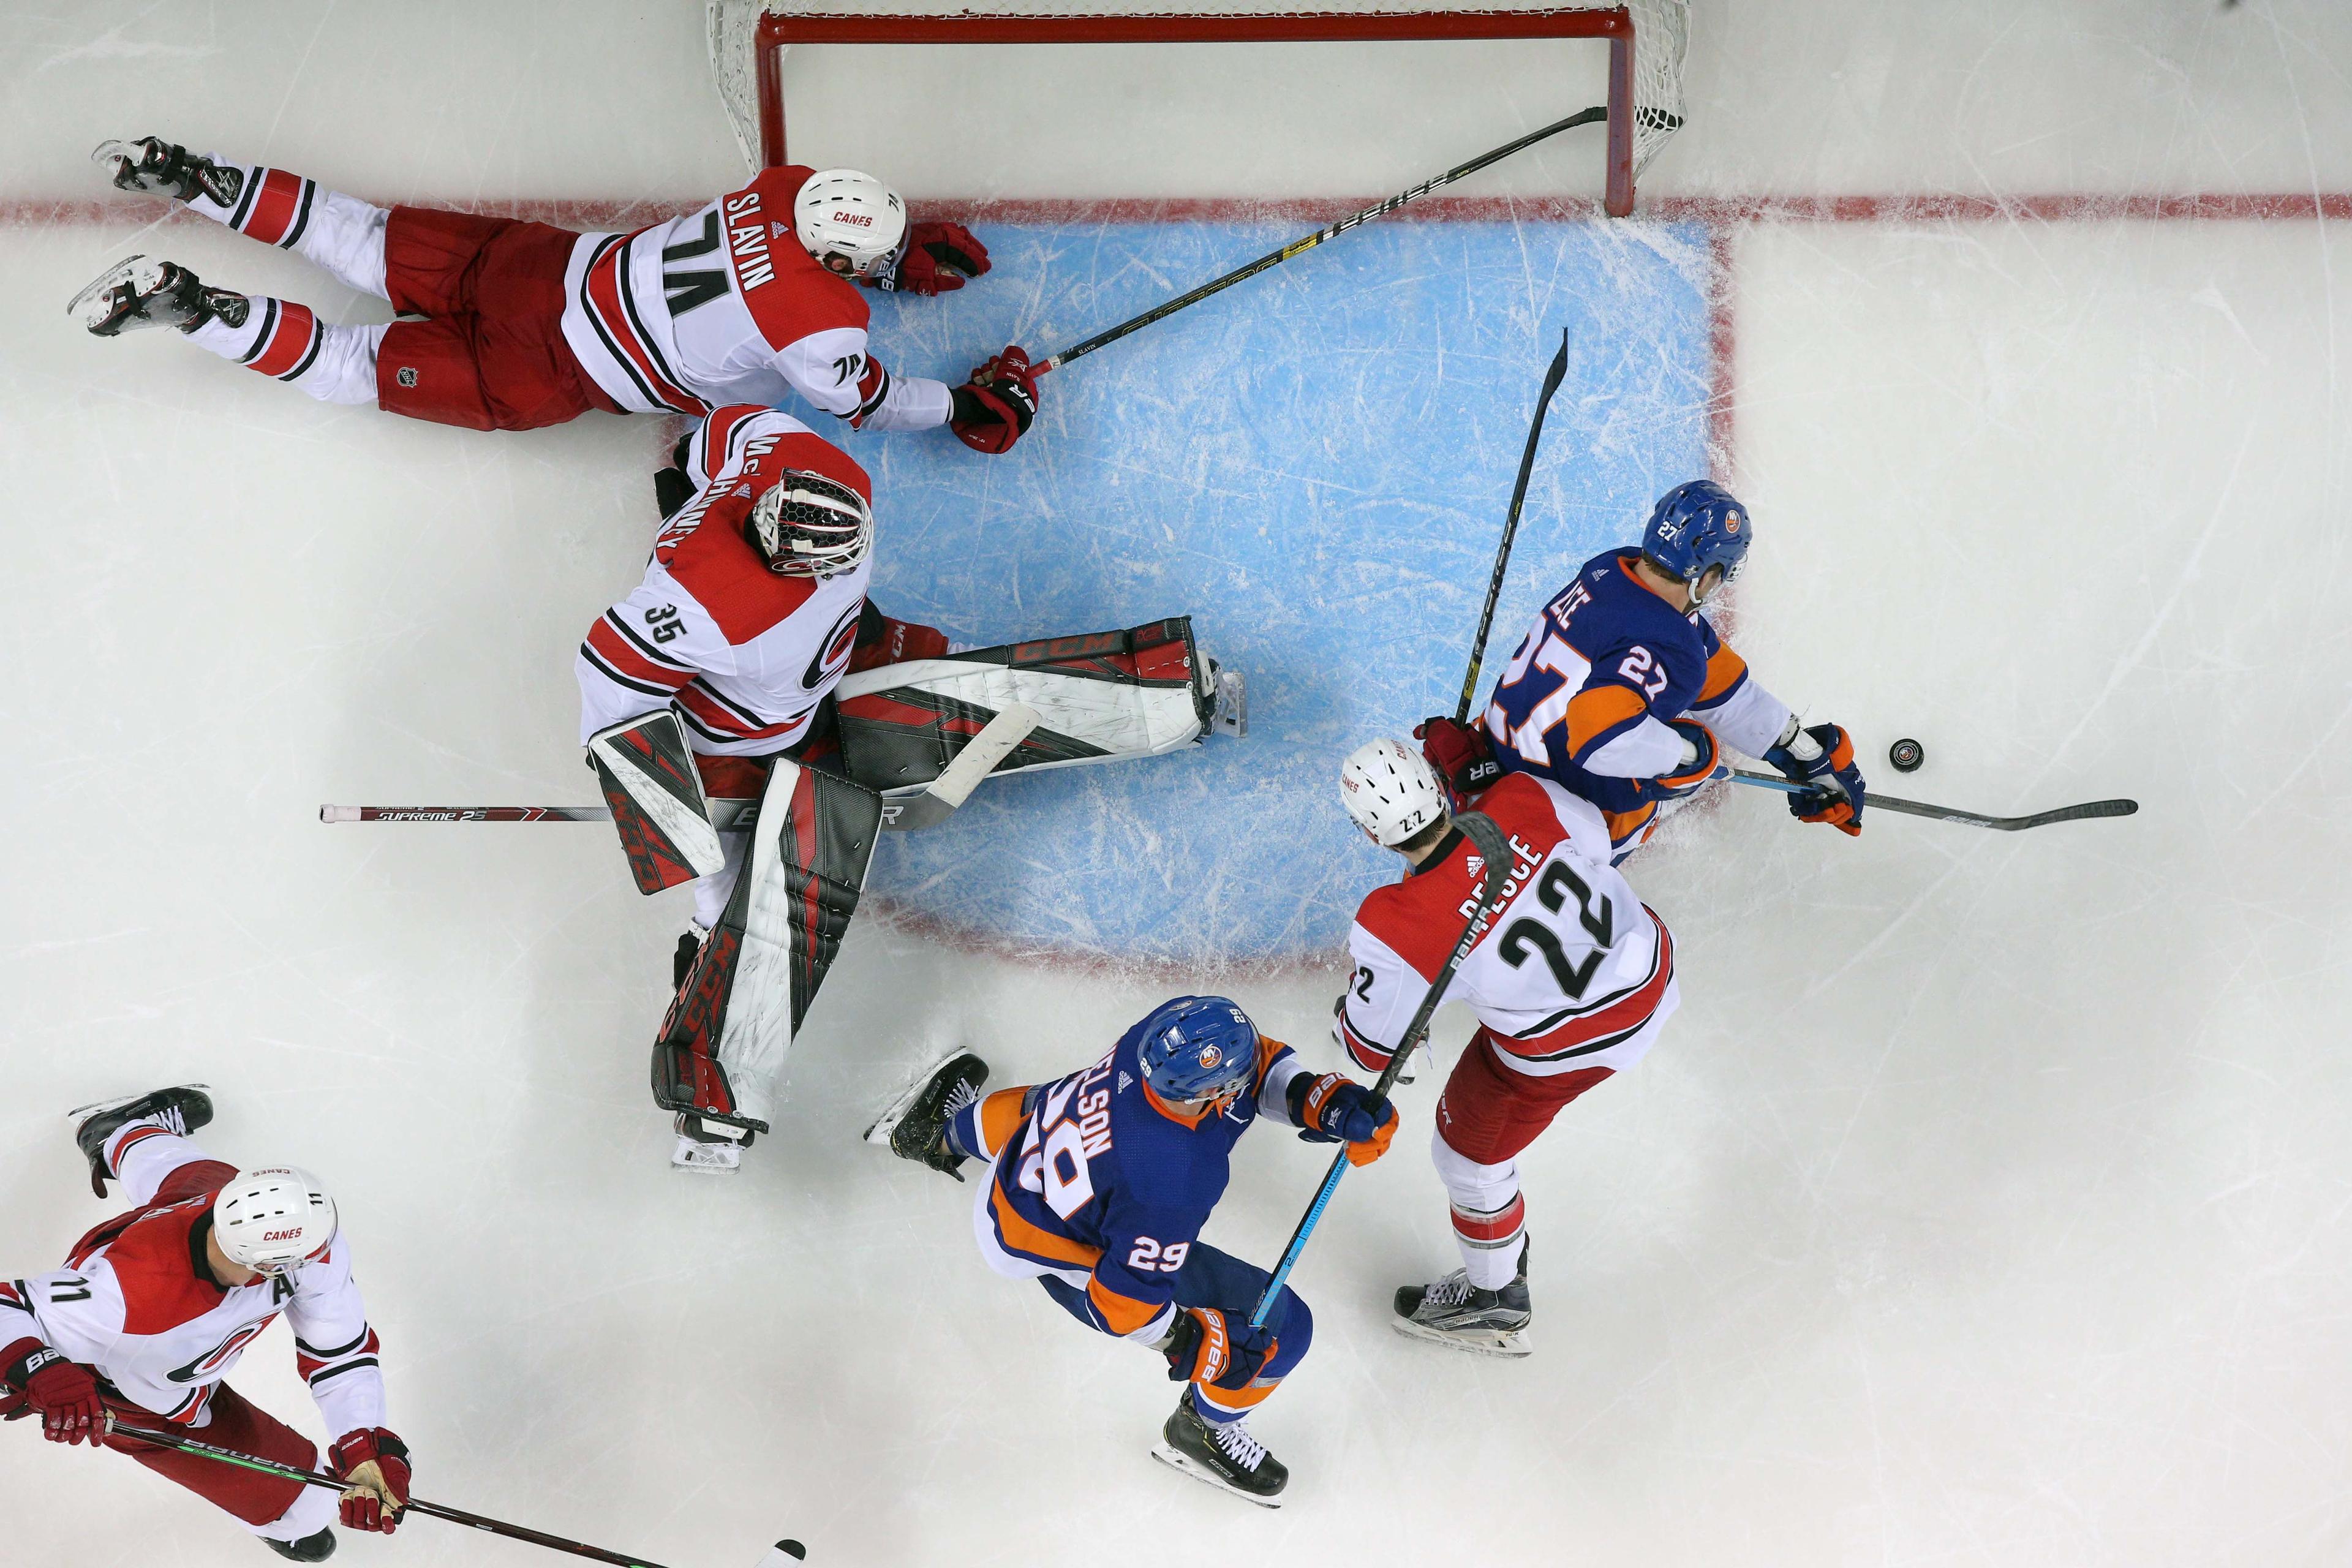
154	1308
1098	1183
747	299
718	678
1621	691
1572	981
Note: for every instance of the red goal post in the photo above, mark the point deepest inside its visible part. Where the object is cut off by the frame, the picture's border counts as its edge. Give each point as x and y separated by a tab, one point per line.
1645	37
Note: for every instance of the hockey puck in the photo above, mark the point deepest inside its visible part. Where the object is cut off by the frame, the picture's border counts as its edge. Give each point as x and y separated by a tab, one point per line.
1906	756
794	1550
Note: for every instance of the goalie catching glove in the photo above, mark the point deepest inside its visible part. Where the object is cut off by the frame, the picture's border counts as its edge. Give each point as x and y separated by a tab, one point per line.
1835	790
996	406
1336	1109
1218	1348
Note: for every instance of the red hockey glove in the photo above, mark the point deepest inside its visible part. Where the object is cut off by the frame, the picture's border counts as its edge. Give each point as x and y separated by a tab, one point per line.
1690	774
994	409
1215	1347
935	260
64	1392
1462	754
1335	1108
882	640
1837	791
376	1463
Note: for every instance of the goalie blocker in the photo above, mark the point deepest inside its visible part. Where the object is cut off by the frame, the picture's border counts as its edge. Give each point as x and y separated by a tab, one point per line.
1100	697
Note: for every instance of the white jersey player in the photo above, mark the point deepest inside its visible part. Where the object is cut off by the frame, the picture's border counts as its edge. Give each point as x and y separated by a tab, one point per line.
154	1308
1571	983
752	298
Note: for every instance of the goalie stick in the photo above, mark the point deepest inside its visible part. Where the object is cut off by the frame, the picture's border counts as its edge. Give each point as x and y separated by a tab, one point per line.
775	1557
1488	840
1874	801
933	805
1109	335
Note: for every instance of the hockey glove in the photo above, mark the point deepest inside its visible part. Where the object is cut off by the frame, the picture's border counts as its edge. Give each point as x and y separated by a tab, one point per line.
63	1391
1837	791
1218	1348
995	407
1335	1108
935	260
1462	754
1692	772
375	1465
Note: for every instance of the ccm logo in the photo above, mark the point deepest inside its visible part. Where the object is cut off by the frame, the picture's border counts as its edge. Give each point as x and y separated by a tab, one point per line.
282	1236
855	220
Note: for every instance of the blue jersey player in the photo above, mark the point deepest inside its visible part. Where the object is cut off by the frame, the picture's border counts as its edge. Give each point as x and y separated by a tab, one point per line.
1621	691
1098	1187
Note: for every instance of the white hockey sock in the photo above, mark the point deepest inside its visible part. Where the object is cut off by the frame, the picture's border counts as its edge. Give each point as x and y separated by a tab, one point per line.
1490	1218
141	1153
342	234
288	342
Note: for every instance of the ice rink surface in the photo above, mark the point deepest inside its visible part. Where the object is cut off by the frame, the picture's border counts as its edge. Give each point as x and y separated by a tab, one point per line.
1986	1203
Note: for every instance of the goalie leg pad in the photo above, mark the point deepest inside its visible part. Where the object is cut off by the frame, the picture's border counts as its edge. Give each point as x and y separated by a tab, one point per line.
658	805
1102	698
723	1044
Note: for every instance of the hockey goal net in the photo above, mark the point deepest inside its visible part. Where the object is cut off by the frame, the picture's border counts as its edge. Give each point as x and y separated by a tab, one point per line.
1645	39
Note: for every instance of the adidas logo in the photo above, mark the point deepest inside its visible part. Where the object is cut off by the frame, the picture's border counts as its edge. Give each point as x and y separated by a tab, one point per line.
1126	1082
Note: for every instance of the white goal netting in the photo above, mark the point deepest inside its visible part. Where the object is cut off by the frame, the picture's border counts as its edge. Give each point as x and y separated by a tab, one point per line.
1661	33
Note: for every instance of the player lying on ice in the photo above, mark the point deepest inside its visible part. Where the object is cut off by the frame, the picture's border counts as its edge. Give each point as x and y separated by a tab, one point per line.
1098	1187
1621	691
154	1308
749	665
747	299
1571	983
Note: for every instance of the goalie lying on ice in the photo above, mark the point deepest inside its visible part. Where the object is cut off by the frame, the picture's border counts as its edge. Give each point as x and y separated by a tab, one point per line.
748	666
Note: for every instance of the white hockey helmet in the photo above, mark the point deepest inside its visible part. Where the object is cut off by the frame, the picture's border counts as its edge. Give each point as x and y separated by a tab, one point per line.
849	221
270	1218
1391	790
810	526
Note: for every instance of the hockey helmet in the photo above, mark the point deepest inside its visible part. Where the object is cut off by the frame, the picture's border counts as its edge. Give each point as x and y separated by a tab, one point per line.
1391	790
807	525
1694	527
1197	1048
851	222
270	1218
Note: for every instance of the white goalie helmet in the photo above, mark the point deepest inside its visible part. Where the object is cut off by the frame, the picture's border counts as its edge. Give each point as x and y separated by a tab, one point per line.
807	525
851	222
1391	790
269	1218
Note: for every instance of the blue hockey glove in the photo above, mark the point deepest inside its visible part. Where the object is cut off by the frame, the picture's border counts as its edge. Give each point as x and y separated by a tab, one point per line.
1837	792
1334	1108
1689	775
1218	1348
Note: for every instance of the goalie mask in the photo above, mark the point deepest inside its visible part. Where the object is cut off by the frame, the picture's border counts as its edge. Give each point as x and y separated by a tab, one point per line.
807	525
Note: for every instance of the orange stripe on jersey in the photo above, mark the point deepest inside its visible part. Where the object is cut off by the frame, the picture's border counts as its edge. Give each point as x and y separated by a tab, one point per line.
1267	1049
1121	1314
999	1117
1723	673
1624	824
1238	1400
1020	1236
1595	712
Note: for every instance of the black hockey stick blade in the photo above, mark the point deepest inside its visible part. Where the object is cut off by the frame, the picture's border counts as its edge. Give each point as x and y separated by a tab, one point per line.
1874	801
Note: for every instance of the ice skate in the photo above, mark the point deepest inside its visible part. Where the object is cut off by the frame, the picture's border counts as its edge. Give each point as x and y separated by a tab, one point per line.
156	167
1453	1312
139	291
1223	1454
708	1148
313	1548
182	1108
914	1126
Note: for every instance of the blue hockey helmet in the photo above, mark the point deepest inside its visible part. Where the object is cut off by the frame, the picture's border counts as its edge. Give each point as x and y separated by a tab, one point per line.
1197	1048
1696	526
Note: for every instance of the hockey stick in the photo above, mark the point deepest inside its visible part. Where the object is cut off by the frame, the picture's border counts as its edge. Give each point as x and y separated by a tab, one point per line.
1276	258
782	1549
934	804
1488	840
1872	801
1552	378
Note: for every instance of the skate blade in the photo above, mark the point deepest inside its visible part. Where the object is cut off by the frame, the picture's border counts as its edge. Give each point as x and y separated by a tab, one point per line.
1174	1460
697	1158
903	1102
82	1113
1509	1345
102	285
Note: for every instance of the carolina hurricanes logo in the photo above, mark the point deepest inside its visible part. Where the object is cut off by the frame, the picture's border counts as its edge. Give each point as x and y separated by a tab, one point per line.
215	1361
835	651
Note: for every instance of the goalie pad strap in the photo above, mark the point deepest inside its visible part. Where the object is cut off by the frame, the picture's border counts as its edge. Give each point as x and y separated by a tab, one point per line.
659	806
1100	697
722	1047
